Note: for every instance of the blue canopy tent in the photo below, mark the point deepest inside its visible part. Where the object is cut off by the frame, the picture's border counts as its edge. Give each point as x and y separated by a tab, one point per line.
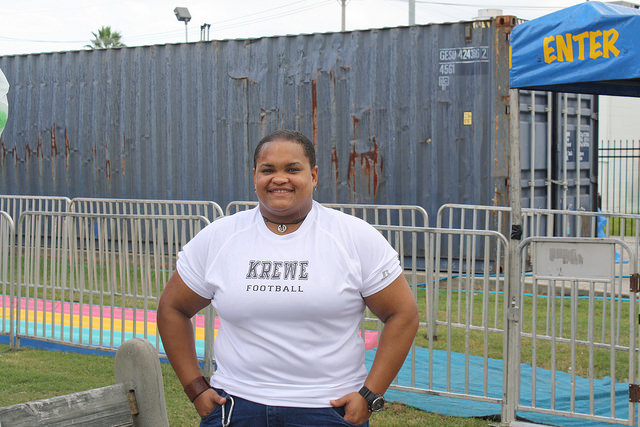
591	48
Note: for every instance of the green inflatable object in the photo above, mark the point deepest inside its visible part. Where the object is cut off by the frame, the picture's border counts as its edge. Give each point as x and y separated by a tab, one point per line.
3	119
4	104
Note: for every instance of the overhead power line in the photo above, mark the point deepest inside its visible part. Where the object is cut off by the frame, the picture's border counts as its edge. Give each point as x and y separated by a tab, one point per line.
13	39
483	6
248	19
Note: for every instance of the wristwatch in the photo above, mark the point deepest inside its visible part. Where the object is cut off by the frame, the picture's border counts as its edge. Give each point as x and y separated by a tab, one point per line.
375	401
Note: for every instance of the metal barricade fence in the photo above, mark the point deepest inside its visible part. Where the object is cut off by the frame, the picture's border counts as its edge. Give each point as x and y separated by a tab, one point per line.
209	210
15	205
7	233
579	329
543	222
94	280
401	215
467	306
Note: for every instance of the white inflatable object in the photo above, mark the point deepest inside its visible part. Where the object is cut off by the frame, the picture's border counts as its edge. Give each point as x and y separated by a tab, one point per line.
4	104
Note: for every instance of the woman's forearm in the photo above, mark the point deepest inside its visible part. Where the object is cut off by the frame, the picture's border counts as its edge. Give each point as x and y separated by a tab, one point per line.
393	346
176	307
178	340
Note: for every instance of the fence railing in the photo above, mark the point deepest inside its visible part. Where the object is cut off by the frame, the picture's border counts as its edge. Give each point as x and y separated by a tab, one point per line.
402	215
619	176
543	222
95	279
7	233
457	308
15	205
579	333
209	210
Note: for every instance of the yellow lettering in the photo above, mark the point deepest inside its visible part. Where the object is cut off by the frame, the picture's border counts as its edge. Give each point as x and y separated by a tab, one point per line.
580	39
565	48
549	50
594	45
609	39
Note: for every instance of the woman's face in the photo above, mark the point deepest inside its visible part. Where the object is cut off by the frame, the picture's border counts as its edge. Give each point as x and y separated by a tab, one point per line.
284	180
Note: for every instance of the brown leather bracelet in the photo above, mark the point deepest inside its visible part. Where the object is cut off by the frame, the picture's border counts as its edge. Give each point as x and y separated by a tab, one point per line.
196	387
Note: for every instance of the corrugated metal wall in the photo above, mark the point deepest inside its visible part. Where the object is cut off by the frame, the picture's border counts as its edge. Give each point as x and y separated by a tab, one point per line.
551	120
411	115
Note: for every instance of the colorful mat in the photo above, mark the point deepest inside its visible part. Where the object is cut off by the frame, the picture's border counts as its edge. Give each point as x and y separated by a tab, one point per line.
101	325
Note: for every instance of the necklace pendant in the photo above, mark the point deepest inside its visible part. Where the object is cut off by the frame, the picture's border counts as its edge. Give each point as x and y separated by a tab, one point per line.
282	228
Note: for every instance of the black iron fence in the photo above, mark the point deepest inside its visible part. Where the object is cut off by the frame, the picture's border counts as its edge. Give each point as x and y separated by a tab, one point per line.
619	176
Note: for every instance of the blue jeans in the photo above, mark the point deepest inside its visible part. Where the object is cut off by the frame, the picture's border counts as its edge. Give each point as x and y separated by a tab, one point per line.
250	414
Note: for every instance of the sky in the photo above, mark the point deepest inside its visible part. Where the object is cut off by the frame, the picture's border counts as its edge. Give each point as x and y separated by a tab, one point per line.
34	26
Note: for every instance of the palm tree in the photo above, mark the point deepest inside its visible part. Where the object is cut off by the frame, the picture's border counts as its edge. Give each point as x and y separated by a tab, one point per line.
106	39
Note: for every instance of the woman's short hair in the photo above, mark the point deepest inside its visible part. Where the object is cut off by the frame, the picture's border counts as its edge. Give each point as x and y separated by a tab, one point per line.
288	135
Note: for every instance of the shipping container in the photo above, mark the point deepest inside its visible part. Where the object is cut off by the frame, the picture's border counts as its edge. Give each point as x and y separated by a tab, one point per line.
409	115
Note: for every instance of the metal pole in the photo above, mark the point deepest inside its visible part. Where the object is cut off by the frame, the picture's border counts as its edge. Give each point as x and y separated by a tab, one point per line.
578	151
344	12
565	145
412	12
512	287
186	33
532	182
549	176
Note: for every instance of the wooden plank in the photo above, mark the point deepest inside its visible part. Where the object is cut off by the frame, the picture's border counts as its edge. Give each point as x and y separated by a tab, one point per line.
101	407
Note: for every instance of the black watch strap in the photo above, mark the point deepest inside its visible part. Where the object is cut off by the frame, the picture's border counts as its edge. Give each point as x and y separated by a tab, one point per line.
375	401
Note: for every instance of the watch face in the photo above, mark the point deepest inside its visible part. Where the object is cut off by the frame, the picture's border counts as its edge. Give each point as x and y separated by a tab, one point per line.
377	404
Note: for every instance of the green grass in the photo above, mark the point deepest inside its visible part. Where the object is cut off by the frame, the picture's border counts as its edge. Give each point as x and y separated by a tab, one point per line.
597	362
617	226
30	374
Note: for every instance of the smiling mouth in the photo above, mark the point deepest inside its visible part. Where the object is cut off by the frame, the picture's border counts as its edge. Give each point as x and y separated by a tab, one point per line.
280	190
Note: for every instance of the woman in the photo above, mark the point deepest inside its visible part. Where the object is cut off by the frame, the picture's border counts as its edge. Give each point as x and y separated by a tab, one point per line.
289	280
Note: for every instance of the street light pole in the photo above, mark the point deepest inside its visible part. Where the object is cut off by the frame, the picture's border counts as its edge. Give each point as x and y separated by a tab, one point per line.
182	14
412	12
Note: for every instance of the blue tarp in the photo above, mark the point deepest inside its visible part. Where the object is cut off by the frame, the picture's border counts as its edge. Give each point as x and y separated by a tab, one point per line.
588	48
470	408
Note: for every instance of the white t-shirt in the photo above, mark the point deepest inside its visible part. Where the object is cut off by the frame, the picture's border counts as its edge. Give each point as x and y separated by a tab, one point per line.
289	305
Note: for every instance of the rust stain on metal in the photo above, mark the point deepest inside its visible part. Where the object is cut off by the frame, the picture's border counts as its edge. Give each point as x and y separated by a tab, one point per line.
351	173
355	121
353	156
67	150
263	116
334	163
94	154
54	146
3	149
369	162
314	110
123	166
241	78
107	166
39	149
506	21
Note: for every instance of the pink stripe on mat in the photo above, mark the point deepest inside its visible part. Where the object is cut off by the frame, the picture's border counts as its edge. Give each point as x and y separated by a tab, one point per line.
370	337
